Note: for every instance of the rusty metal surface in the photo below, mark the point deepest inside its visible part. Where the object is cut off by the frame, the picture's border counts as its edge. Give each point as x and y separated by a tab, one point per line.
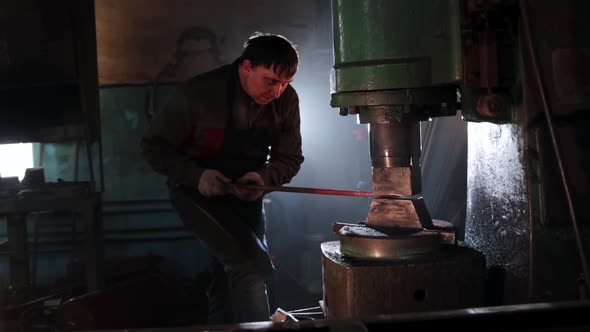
386	244
399	213
409	212
497	210
451	278
445	229
392	180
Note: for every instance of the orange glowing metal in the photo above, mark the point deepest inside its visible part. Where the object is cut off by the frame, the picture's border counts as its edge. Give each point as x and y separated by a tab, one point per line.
317	191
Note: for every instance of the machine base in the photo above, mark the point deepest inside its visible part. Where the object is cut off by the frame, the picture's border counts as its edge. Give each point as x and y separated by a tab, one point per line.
451	278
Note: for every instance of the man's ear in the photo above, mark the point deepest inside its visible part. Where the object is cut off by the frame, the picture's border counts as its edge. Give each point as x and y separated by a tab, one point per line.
247	65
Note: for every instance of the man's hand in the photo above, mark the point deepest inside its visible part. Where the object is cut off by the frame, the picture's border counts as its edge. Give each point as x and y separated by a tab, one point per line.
212	183
248	194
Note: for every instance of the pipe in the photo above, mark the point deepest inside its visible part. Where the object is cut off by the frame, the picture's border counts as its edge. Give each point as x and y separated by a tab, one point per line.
554	142
41	150
76	159
90	161
531	247
100	163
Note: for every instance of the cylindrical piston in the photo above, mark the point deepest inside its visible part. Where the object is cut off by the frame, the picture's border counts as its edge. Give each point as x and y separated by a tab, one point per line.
394	144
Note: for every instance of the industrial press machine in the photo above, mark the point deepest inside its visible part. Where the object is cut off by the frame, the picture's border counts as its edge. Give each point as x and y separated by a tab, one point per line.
392	77
397	63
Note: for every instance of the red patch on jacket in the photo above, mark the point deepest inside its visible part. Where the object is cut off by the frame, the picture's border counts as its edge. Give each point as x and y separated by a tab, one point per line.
210	142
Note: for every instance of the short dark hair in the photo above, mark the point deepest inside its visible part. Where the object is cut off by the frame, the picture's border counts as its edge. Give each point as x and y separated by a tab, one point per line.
271	50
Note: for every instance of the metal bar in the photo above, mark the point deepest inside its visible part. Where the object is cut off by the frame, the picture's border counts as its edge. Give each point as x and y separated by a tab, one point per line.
90	161
304	309
562	172
100	160
76	159
17	243
306	313
317	191
41	150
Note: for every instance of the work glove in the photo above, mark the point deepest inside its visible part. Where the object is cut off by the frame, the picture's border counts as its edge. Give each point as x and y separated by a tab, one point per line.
250	195
212	183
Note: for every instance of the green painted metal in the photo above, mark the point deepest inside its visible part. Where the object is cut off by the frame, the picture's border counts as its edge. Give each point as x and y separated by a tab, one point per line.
446	95
393	44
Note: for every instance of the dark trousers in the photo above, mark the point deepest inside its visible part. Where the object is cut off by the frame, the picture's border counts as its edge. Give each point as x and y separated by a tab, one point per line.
232	231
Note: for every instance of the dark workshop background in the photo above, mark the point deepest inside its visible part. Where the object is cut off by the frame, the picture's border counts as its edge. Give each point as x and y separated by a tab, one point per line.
145	48
80	79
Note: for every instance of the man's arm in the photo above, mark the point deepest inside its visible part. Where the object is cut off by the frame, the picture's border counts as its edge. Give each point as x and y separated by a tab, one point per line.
286	156
167	135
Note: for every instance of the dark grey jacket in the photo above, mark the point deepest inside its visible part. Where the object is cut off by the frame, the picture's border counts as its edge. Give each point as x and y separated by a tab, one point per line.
190	129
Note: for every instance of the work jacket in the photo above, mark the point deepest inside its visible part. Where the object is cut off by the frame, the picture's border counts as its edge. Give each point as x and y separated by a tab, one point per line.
188	135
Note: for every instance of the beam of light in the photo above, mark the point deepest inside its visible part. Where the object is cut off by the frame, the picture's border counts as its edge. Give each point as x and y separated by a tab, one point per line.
15	159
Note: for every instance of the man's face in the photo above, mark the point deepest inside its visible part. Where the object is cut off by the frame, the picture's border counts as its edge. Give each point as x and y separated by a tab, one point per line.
262	84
